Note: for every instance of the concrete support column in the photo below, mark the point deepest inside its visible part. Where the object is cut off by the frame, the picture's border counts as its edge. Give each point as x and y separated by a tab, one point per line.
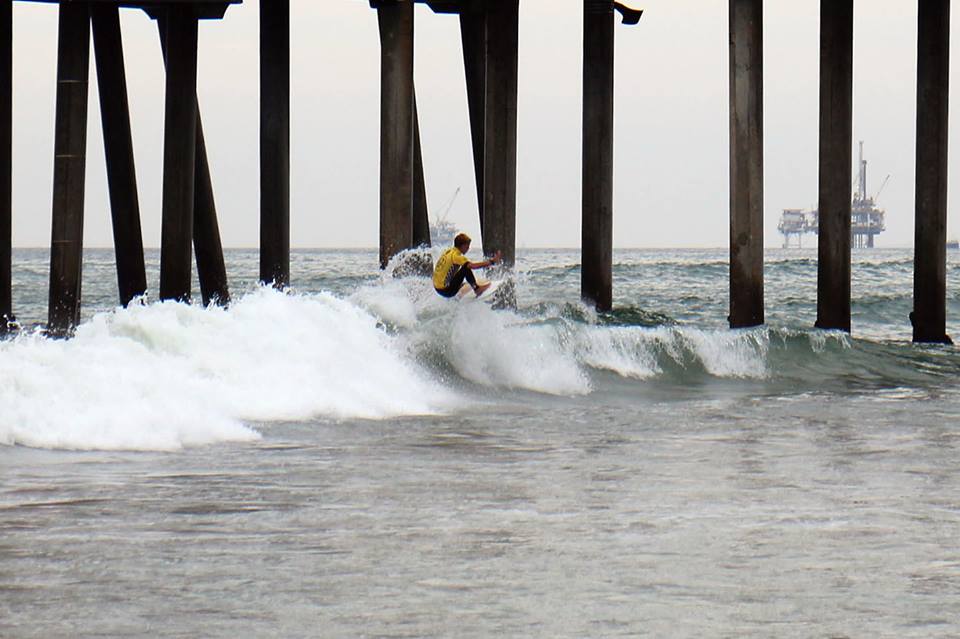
746	163
596	282
473	35
179	154
69	168
6	164
836	142
930	257
500	130
275	143
396	127
207	248
118	149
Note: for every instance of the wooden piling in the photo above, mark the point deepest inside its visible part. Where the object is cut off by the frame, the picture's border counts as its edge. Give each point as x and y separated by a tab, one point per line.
473	35
500	130
836	142
933	79
395	19
6	164
275	143
118	150
596	281
70	145
421	215
179	154
746	163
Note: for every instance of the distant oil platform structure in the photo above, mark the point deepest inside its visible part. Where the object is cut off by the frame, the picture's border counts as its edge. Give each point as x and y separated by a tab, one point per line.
866	219
489	34
442	230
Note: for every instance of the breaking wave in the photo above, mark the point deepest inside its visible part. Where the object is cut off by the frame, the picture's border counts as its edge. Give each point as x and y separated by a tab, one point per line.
164	376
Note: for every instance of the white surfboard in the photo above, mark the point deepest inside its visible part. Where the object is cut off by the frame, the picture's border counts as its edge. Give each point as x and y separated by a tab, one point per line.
466	293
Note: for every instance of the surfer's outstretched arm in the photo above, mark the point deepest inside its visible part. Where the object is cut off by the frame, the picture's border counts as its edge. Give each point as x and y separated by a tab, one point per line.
484	264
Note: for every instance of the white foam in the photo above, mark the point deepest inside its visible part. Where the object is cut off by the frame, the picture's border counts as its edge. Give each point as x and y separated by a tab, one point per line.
495	348
819	339
633	352
395	301
627	351
731	353
169	375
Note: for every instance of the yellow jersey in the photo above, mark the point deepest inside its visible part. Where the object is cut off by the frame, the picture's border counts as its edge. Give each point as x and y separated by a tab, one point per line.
447	266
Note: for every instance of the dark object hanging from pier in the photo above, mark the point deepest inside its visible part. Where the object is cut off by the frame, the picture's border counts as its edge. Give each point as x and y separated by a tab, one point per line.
930	229
746	163
836	141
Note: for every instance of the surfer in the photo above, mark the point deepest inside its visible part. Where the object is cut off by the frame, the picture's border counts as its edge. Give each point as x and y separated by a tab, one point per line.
453	268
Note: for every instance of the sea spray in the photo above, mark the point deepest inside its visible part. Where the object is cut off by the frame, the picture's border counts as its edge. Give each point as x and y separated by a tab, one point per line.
491	348
625	351
483	344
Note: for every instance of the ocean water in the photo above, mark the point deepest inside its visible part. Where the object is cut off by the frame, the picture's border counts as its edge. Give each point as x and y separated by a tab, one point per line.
360	458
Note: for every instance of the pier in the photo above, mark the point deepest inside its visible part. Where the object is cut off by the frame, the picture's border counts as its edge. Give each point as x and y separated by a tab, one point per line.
490	37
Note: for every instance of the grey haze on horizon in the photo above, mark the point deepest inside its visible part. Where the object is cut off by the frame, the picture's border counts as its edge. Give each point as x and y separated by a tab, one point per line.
671	182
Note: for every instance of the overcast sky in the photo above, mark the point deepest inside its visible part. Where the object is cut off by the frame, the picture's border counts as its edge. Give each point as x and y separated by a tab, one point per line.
671	163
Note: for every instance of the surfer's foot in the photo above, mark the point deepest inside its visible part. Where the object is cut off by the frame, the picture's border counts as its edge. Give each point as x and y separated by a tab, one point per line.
479	289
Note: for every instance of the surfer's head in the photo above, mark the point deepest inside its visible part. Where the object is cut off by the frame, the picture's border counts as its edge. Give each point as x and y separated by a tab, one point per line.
462	242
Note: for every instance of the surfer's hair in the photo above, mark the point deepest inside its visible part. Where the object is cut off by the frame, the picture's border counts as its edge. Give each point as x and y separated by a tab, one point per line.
461	239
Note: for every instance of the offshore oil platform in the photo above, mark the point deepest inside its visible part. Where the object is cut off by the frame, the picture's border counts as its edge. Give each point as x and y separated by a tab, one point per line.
866	220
